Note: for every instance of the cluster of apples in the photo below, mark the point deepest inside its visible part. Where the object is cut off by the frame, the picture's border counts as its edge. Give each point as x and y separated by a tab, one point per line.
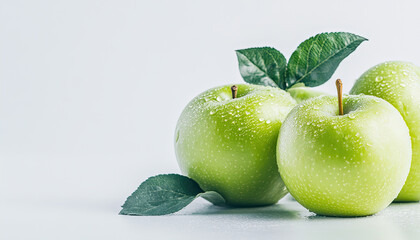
350	157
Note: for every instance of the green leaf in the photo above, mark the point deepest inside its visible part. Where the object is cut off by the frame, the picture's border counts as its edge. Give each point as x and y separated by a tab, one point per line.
165	194
214	198
262	66
316	59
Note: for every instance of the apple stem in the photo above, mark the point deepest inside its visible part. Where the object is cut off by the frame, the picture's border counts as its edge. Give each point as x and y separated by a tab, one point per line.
234	89
339	85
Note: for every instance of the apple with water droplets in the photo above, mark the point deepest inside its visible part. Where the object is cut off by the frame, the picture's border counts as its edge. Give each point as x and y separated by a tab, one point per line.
351	162
399	84
301	94
225	140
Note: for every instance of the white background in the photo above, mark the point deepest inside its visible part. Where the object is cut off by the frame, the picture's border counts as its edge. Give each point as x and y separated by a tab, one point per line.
90	92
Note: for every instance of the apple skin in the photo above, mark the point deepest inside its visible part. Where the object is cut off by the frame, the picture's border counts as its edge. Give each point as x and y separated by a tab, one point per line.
301	94
399	84
349	165
229	145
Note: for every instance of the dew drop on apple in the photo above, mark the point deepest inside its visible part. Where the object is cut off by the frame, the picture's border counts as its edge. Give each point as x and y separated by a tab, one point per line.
211	112
219	99
268	121
378	78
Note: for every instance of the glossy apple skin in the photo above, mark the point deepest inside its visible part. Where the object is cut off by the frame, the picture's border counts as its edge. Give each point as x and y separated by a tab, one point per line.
229	145
399	84
349	165
301	94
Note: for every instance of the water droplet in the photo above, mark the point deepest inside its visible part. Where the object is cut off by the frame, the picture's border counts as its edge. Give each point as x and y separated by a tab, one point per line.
402	85
378	78
219	99
261	119
268	121
352	116
247	113
211	112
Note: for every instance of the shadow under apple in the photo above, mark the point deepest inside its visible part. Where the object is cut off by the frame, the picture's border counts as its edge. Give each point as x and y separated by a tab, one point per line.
277	211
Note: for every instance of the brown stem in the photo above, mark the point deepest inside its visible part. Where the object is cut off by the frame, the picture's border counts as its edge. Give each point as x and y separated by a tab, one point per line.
339	85
234	89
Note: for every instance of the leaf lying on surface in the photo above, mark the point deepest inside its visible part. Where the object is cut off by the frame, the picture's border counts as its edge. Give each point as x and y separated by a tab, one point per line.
165	194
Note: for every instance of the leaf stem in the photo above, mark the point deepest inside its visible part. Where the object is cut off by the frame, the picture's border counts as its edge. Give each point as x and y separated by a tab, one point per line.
339	85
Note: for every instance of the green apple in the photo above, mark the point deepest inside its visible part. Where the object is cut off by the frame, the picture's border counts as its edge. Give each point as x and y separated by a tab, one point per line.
301	93
353	164
229	145
399	84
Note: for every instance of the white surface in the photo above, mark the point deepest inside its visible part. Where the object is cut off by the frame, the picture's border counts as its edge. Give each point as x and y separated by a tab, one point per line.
90	92
201	220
